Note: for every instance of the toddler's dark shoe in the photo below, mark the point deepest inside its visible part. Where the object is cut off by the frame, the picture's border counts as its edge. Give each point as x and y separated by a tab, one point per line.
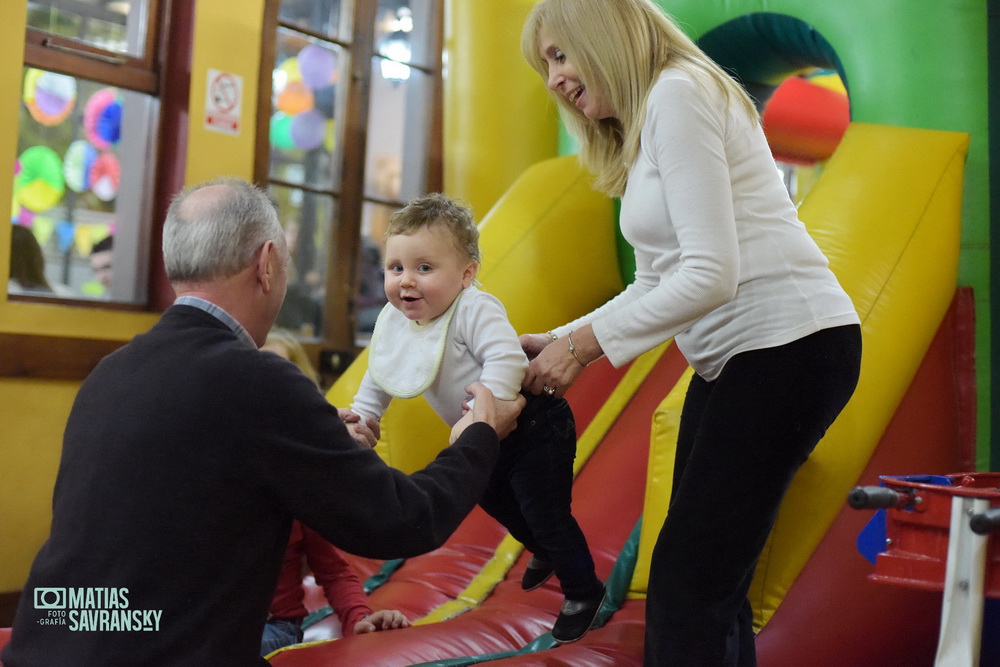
536	574
576	617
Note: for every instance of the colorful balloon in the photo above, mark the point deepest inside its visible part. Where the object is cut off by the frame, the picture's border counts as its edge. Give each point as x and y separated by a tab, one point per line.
105	175
828	79
317	66
330	139
49	97
308	130
102	118
295	98
281	131
285	73
39	185
77	161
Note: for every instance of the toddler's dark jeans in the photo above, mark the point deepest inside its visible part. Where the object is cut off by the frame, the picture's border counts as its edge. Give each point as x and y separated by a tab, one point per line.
531	489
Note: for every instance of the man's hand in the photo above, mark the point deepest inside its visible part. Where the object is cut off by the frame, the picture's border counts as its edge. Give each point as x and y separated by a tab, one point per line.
365	432
501	415
385	619
460	426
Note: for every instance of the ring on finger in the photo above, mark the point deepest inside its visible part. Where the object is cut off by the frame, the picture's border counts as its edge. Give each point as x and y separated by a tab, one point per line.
549	390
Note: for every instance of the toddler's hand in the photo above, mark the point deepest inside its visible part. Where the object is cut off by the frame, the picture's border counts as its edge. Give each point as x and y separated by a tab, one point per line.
385	619
532	344
365	431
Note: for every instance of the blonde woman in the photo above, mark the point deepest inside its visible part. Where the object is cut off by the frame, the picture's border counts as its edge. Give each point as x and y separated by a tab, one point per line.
725	268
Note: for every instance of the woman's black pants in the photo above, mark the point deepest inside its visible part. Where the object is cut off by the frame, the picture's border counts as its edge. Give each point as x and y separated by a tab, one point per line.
742	437
531	493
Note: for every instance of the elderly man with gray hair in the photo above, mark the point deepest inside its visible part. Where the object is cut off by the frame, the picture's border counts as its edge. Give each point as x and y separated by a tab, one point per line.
188	452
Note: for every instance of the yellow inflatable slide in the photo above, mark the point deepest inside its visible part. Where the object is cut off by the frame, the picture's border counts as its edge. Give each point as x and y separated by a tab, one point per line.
886	212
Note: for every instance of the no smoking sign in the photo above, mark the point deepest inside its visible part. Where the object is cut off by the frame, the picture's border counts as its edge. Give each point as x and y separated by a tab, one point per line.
223	102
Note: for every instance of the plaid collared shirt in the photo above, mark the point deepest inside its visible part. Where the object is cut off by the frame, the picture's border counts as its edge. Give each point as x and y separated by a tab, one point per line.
219	314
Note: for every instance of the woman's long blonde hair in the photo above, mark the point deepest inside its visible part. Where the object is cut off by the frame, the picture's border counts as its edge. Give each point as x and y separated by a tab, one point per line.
619	48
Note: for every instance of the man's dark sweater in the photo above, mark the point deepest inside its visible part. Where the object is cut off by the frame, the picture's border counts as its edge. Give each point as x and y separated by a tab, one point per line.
185	457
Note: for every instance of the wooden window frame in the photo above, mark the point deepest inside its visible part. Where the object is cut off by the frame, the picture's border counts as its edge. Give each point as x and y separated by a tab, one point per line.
168	56
336	346
63	54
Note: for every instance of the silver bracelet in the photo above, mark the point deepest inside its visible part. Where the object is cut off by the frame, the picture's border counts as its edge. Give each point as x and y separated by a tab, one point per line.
572	350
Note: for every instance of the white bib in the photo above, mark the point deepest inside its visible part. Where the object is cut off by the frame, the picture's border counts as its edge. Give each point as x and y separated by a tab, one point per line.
405	371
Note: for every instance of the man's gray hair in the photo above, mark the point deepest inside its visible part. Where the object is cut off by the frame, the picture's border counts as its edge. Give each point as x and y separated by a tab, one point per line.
220	238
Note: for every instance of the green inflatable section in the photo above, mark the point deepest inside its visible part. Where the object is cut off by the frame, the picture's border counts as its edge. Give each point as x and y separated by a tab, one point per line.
909	63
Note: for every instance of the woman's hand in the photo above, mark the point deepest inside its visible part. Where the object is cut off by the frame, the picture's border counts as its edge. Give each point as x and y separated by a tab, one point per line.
554	368
553	371
385	619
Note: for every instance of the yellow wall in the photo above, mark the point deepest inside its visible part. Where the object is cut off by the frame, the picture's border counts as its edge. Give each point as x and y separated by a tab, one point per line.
11	49
498	120
492	100
33	412
228	41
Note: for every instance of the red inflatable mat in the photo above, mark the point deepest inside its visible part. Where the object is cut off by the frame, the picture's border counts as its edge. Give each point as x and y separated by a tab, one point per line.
608	497
424	583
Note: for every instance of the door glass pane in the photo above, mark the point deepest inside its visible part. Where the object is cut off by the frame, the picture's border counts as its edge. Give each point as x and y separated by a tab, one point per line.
371	288
398	134
118	25
325	17
80	172
307	219
403	29
304	105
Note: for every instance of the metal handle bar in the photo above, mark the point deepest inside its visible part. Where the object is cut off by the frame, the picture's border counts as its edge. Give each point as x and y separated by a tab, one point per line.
878	497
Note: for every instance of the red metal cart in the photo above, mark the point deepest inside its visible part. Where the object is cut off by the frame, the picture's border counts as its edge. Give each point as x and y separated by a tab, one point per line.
937	537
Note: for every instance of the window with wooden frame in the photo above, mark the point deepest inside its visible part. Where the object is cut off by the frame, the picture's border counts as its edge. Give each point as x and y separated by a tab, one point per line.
102	97
88	159
349	129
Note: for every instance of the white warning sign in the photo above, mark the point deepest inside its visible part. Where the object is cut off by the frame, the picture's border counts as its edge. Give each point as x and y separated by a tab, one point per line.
223	102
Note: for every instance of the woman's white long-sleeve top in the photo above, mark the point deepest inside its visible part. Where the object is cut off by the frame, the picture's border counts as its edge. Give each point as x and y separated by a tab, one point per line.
723	263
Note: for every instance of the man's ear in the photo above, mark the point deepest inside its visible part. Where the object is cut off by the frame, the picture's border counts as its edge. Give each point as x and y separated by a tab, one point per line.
469	275
266	265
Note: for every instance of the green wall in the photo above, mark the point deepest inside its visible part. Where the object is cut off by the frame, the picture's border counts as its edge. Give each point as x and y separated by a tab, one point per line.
910	63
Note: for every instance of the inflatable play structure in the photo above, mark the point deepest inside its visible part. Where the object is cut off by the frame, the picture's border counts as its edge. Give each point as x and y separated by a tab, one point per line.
890	226
892	209
901	197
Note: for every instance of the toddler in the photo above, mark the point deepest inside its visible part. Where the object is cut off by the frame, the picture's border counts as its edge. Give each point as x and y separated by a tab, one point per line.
438	334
